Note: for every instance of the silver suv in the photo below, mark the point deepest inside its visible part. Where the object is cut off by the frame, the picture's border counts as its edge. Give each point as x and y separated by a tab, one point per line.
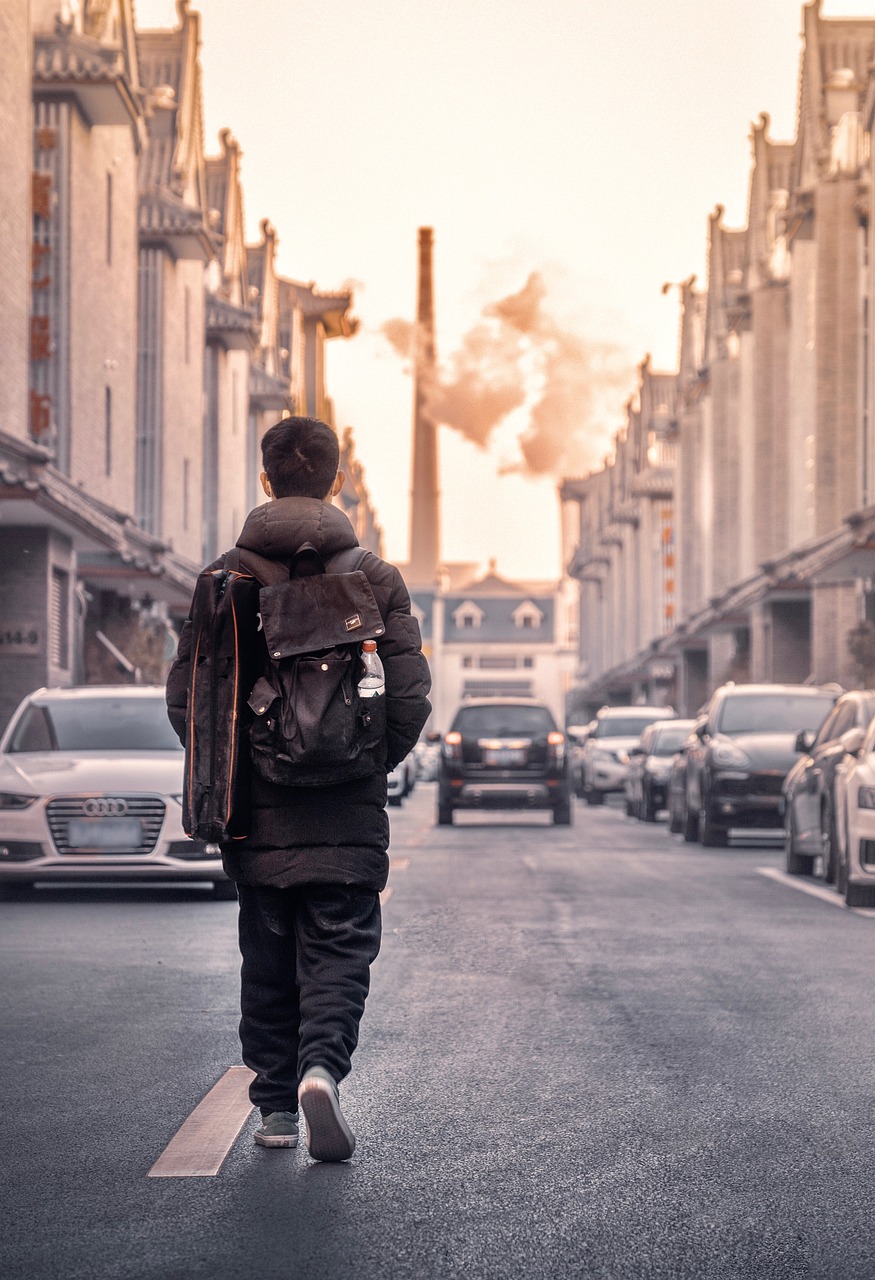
606	752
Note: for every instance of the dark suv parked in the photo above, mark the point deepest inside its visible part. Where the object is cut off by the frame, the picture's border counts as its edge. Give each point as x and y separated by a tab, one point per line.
504	753
742	749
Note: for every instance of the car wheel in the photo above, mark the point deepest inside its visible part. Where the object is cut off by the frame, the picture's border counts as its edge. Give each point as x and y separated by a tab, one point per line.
224	891
841	873
689	824
394	800
562	816
828	842
860	895
648	808
16	890
445	815
711	834
795	864
675	817
630	808
593	797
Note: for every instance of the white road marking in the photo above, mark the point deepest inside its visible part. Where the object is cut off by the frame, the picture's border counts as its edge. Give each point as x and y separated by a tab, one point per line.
813	890
200	1146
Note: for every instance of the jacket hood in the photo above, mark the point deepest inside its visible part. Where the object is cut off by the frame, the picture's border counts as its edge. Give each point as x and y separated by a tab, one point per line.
277	529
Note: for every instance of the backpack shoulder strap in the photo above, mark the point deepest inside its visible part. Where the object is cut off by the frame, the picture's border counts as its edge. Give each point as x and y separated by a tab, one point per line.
347	561
268	572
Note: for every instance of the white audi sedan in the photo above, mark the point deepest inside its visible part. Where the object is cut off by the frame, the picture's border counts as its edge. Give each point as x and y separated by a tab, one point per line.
91	789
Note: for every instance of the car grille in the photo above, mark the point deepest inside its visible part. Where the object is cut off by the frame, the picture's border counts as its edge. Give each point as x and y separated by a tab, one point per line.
147	810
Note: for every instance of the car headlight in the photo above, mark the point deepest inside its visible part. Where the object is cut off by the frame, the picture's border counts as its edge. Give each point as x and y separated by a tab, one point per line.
14	800
866	798
729	756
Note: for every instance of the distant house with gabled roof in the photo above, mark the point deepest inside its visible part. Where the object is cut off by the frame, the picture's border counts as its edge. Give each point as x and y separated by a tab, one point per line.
492	637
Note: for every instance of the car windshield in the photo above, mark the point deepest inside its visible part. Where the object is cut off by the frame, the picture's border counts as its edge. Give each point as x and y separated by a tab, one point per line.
504	722
622	726
773	713
95	724
668	741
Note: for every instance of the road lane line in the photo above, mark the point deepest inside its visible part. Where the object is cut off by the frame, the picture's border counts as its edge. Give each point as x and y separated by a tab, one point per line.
200	1146
813	890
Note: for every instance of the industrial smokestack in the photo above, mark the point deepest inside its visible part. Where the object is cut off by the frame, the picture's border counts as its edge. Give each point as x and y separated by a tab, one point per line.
424	493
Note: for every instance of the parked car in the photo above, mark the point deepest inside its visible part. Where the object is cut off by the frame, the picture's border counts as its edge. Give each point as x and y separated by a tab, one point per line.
855	818
606	752
401	780
91	789
742	749
649	767
504	753
809	798
676	786
576	736
427	755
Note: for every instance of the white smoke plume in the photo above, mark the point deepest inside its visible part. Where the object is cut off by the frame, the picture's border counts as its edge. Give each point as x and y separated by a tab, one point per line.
519	355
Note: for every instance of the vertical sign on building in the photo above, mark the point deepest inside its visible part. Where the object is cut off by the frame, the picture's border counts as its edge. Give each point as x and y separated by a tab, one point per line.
666	516
47	389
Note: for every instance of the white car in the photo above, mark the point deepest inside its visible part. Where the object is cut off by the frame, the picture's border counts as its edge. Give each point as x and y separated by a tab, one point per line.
605	757
854	788
401	780
91	789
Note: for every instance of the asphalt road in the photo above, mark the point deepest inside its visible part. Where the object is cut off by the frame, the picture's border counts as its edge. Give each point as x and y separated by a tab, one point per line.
588	1052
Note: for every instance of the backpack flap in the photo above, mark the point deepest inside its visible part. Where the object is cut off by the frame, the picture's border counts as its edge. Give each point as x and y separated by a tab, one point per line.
311	614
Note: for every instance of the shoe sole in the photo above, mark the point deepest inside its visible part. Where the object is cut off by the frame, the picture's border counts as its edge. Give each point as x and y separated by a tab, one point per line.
277	1140
329	1137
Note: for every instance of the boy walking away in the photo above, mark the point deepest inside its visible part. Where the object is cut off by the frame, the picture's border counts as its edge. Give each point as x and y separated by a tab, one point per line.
313	859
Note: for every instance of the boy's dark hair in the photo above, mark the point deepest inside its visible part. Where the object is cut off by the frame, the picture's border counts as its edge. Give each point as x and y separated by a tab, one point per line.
300	457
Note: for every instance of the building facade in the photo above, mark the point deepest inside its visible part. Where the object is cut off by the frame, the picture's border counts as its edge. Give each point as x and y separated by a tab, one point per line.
764	525
143	345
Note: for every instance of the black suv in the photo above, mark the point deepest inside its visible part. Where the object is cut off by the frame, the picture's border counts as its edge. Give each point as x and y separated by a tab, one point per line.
504	753
740	752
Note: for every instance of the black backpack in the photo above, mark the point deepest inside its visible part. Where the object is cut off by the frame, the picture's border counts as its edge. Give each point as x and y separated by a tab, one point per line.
309	727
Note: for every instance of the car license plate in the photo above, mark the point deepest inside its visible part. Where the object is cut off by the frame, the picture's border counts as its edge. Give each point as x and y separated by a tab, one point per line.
504	757
117	834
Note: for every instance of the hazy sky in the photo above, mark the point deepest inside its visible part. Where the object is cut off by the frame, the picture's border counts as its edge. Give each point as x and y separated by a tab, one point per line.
586	140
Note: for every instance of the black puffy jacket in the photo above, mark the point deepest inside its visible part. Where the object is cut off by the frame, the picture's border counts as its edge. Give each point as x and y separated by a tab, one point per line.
339	834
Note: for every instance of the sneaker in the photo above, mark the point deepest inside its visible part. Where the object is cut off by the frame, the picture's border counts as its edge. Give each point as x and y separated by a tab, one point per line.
279	1129
329	1137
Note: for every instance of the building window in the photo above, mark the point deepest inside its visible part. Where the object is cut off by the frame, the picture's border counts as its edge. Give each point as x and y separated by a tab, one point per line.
59	649
467	662
528	615
468	615
528	662
497	662
109	219
107	430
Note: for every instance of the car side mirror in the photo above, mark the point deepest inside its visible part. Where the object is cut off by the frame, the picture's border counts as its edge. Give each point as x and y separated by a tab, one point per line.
852	741
804	741
434	736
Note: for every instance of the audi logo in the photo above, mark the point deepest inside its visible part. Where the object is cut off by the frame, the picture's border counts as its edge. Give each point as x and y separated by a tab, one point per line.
103	807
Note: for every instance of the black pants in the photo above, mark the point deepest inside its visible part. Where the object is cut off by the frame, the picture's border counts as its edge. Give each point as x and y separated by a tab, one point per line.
307	953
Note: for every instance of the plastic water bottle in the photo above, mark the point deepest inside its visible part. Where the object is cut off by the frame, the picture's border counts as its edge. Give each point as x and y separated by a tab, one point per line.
373	681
